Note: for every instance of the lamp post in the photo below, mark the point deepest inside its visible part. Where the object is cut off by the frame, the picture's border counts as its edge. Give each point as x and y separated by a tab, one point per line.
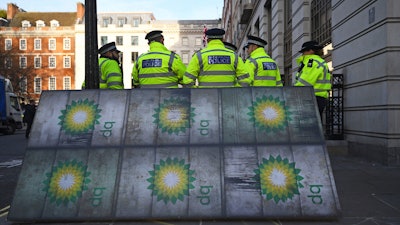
91	59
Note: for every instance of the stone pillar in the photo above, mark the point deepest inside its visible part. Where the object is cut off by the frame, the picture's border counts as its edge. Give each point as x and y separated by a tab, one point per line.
366	52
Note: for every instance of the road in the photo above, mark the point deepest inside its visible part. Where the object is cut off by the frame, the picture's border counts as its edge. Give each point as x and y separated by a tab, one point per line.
12	150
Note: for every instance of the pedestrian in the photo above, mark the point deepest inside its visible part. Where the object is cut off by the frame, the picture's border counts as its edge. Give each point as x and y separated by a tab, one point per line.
159	67
216	66
261	67
110	71
29	114
313	71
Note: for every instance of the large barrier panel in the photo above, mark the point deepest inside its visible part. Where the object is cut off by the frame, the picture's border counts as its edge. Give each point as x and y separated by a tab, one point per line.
101	155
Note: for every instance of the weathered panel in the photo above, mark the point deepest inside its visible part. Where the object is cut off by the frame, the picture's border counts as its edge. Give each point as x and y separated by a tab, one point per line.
29	198
176	153
45	131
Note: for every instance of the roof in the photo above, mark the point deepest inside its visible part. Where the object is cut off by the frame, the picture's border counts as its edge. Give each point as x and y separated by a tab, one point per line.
64	18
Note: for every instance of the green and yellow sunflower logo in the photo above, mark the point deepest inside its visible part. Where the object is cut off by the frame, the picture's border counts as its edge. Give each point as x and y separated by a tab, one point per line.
171	180
66	182
174	116
279	180
79	117
269	114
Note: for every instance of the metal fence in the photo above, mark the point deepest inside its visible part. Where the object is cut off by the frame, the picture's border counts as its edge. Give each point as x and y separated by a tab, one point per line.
334	110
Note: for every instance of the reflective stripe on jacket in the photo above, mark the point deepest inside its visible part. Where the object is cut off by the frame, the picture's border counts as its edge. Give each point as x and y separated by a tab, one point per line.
262	69
110	74
314	72
158	68
216	66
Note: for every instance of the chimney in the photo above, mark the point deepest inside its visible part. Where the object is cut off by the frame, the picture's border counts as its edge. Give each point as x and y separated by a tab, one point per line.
12	9
80	11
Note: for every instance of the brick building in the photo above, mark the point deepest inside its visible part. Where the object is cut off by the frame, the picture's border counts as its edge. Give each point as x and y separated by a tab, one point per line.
38	50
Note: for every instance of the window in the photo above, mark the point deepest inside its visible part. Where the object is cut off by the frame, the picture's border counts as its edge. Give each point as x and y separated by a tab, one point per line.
52	44
38	44
22	62
135	40
67	61
185	57
26	24
185	41
198	41
136	22
121	22
54	24
120	40
106	21
52	83
67	43
40	24
37	62
134	56
22	44
38	85
52	62
103	40
67	83
8	63
8	44
23	85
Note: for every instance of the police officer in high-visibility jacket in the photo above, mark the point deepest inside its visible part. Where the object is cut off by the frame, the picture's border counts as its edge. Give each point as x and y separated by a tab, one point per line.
216	66
110	72
159	67
262	68
313	71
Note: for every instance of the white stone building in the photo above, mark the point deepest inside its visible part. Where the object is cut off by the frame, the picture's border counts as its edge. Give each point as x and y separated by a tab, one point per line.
128	31
361	43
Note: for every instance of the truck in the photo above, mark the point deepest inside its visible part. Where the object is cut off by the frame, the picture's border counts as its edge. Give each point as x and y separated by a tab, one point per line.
11	114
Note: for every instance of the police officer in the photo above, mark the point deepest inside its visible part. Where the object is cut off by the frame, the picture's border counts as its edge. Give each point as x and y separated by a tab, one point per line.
313	71
110	71
261	67
159	67
215	65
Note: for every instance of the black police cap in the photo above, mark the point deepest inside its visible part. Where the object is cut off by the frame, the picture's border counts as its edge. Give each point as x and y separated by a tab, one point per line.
253	40
215	33
153	34
108	47
310	45
230	46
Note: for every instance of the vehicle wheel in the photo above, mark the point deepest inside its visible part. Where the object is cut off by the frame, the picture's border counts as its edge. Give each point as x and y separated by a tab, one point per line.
11	128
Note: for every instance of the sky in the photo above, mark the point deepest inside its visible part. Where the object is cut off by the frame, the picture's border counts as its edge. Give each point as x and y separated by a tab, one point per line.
162	9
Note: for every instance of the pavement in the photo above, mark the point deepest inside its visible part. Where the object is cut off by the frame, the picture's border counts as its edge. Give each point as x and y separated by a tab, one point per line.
369	194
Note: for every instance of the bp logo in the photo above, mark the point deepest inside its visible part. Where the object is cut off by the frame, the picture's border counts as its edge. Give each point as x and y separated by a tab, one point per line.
269	114
174	116
66	182
279	179
79	117
171	180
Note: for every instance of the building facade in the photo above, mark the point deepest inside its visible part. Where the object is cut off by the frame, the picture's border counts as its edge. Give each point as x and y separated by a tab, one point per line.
361	43
38	50
128	31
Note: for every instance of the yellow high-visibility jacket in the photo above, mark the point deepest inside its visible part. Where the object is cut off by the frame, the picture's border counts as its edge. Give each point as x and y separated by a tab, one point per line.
262	69
110	74
313	71
216	66
158	68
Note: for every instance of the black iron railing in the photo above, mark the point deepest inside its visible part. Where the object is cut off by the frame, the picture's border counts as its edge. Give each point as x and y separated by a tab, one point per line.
334	110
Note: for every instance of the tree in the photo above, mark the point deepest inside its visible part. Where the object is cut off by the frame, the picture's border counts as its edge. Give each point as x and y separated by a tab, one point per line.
3	14
19	75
